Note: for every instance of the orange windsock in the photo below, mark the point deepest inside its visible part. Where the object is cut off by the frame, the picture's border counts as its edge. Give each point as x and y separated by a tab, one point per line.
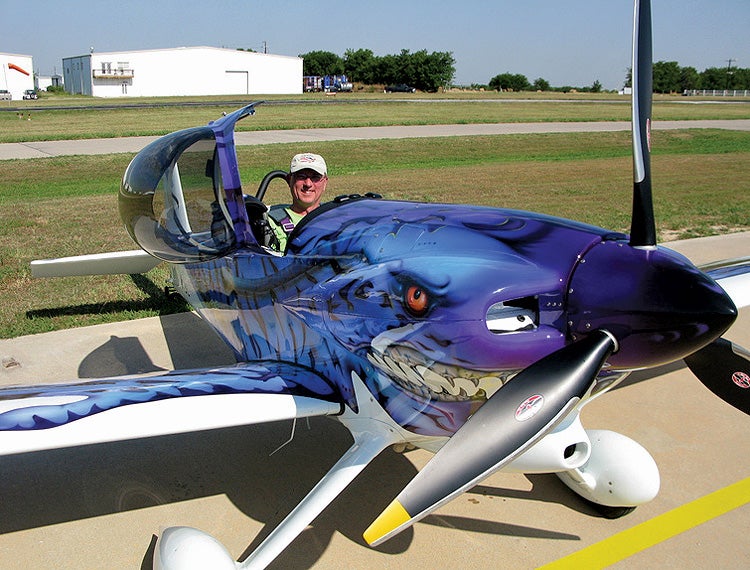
14	66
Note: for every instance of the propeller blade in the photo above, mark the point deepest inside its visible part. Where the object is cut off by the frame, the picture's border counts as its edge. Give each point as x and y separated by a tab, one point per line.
512	420
642	225
724	368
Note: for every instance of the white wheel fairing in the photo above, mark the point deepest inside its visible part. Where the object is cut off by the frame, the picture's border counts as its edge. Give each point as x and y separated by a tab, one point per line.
619	472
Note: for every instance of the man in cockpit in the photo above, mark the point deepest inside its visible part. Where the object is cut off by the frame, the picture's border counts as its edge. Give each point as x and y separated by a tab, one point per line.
308	178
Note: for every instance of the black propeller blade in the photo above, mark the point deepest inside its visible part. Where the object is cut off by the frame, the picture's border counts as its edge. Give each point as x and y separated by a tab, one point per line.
721	366
642	225
724	368
512	420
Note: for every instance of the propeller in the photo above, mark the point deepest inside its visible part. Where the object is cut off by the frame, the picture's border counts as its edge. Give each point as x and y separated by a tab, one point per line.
512	420
721	366
642	225
724	368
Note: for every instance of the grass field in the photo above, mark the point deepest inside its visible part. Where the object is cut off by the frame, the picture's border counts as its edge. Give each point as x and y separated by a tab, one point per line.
67	206
346	111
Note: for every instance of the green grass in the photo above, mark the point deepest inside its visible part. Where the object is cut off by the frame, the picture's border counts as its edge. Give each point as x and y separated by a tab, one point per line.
67	206
345	111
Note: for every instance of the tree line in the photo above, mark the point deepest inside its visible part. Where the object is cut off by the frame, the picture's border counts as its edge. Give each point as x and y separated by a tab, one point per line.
431	71
669	77
519	82
422	70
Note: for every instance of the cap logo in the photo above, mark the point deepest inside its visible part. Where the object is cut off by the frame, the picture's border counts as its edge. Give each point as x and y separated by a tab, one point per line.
308	160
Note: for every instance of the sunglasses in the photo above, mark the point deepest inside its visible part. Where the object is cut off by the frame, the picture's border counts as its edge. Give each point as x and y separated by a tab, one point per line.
314	177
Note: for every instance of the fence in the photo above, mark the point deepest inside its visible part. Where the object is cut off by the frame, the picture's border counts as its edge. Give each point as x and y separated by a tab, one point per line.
717	92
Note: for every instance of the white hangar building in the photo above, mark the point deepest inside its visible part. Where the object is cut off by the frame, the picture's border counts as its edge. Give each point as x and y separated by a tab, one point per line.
18	75
182	71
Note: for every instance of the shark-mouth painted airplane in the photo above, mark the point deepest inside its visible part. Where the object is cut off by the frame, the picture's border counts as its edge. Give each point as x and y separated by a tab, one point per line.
476	333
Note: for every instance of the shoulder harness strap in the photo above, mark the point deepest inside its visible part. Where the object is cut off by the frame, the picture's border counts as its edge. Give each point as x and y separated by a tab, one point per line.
281	217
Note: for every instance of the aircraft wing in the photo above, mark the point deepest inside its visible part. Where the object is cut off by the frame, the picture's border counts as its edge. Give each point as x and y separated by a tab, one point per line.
734	278
127	262
34	418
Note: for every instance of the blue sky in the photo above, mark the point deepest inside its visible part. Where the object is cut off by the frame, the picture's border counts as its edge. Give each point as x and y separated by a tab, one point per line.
567	43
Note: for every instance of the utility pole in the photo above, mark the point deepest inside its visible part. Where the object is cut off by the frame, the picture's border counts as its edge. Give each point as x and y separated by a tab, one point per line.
729	68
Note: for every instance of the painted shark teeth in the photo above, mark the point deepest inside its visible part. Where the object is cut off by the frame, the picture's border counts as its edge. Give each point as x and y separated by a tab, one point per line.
435	380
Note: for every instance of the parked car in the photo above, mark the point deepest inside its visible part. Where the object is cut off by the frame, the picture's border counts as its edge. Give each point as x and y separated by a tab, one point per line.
400	88
30	94
5	95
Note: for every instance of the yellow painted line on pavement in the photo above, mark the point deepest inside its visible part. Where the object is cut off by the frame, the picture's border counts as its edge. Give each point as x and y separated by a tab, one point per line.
656	530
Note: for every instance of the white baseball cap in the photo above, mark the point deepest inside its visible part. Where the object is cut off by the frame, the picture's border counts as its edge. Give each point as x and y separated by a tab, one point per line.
308	160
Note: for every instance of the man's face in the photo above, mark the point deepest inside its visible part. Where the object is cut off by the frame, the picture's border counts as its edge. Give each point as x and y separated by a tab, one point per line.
307	188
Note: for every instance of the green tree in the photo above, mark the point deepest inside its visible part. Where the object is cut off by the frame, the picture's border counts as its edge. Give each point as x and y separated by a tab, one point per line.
541	84
405	67
429	72
387	70
360	65
741	78
689	78
510	81
734	78
667	77
714	78
596	87
321	63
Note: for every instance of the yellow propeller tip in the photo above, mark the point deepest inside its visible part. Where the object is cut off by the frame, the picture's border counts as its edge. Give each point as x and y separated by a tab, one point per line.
390	519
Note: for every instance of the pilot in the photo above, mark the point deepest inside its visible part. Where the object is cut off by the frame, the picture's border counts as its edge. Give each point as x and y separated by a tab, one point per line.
308	178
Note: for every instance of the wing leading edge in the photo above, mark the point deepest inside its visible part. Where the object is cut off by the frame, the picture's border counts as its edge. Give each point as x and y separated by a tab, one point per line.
35	418
125	262
734	278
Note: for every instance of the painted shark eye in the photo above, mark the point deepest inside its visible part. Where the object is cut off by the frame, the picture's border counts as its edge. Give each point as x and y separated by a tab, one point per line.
417	300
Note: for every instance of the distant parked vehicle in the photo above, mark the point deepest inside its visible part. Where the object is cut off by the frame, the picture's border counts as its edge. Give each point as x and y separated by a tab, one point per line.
327	83
30	94
5	95
400	88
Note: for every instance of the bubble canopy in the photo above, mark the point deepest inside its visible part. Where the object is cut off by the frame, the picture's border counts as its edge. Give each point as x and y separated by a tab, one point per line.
181	197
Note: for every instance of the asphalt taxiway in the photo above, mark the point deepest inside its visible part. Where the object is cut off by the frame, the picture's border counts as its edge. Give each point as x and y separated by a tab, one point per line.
42	149
100	506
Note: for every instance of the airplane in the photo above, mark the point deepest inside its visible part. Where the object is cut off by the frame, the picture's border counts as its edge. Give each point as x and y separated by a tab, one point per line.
475	333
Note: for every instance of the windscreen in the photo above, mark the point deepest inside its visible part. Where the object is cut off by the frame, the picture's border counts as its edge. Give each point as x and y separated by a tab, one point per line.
172	200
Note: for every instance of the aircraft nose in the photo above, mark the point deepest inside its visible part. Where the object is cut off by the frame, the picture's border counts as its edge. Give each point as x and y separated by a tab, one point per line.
660	307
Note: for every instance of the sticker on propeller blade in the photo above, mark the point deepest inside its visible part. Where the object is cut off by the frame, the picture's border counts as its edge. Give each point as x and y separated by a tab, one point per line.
529	408
741	379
